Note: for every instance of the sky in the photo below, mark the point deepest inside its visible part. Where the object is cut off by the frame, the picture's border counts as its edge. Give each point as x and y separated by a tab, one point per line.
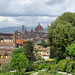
15	13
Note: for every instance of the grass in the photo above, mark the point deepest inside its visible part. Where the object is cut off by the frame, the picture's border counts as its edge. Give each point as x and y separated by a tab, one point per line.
26	73
47	73
6	74
31	73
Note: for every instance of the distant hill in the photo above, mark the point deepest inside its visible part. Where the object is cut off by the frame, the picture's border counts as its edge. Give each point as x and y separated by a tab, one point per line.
12	29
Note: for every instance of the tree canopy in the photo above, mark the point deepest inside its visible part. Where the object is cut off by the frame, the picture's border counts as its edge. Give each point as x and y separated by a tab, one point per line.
70	51
19	61
43	44
62	32
28	51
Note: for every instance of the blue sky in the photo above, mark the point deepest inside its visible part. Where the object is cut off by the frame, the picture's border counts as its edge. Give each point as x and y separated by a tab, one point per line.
31	12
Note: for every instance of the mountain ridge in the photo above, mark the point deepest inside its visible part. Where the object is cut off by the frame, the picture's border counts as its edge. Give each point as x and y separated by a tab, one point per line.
13	29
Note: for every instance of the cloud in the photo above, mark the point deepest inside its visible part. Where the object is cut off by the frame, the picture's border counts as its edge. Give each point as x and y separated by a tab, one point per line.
30	12
52	2
25	20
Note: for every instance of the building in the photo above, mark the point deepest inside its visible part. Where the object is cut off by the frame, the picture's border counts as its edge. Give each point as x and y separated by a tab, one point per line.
43	52
20	42
23	29
5	36
36	35
39	28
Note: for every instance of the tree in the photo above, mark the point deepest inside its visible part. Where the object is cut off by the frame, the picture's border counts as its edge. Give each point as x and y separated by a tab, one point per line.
52	52
43	44
70	51
18	61
28	51
62	32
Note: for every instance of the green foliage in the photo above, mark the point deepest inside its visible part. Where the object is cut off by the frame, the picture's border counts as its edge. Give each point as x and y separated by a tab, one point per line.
28	51
43	44
73	72
70	66
70	50
52	52
19	61
41	66
5	66
61	33
31	67
53	71
49	67
52	61
62	65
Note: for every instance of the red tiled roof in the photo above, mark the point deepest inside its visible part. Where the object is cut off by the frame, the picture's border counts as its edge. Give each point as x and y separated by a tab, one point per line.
39	27
21	41
16	31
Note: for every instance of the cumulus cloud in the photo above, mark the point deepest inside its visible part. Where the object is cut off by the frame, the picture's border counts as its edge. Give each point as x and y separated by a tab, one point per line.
30	12
26	20
52	2
34	7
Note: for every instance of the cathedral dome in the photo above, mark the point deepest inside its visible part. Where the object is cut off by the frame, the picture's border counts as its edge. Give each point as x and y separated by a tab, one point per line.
39	28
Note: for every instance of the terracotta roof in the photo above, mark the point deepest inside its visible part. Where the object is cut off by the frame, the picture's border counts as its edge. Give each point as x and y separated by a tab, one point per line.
16	31
21	41
38	46
44	49
39	27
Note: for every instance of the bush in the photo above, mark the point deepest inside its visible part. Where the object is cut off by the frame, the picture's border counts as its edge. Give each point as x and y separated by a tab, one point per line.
73	72
31	67
61	66
49	67
36	70
5	66
52	61
53	71
41	66
19	73
70	66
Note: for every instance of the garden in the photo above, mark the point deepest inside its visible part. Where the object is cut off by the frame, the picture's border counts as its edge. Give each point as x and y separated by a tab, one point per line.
61	39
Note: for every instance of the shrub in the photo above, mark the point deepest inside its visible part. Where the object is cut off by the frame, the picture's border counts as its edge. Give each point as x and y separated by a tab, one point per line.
36	70
62	65
19	73
31	67
73	72
70	66
49	67
5	66
52	61
53	71
41	66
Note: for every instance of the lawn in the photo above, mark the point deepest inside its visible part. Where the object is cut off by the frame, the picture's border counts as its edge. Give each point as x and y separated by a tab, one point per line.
26	73
47	73
6	74
31	73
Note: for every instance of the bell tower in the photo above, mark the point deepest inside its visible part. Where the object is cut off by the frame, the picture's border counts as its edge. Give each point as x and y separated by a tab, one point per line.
23	29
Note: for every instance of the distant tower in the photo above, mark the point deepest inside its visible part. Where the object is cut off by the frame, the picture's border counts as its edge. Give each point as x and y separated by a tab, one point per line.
14	40
23	29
